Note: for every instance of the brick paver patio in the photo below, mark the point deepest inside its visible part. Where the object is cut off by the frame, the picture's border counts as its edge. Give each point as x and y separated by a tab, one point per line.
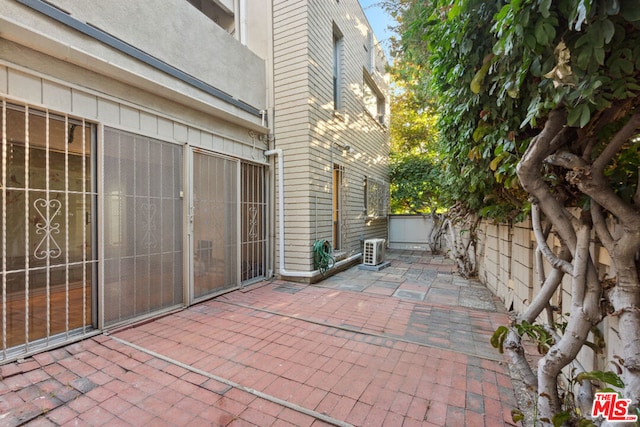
408	345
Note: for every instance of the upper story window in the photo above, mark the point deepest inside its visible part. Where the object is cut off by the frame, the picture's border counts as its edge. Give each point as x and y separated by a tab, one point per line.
338	43
369	47
373	100
219	11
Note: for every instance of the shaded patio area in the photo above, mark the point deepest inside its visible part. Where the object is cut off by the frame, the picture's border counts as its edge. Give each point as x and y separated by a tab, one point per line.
407	345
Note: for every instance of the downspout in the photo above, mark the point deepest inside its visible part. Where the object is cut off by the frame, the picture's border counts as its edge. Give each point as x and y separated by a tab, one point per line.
282	270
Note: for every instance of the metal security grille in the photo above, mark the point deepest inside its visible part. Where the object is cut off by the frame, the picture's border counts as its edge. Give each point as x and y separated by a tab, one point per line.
376	197
344	212
215	224
143	223
253	218
47	234
339	207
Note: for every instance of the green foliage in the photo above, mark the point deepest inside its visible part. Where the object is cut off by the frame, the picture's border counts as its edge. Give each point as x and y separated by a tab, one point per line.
538	334
413	125
494	70
517	415
605	377
414	183
568	418
571	416
414	167
498	337
623	171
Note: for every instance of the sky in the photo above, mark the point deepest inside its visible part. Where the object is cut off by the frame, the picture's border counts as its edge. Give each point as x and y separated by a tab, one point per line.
379	21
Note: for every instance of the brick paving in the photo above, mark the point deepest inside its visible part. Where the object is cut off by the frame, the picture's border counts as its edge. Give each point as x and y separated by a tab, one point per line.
404	346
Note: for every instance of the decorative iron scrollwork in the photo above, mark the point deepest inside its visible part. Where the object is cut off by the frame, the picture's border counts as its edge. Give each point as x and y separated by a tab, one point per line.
48	247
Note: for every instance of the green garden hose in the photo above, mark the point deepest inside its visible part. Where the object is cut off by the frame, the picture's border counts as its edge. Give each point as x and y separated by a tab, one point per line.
322	258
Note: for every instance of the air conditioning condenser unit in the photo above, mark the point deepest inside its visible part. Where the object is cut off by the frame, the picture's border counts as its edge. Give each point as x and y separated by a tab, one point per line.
373	251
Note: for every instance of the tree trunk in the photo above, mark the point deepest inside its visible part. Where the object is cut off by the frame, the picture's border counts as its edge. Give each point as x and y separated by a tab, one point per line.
549	285
584	314
625	299
436	231
462	249
575	233
624	250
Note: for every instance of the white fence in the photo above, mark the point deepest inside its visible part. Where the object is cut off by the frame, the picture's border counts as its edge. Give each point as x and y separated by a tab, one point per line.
410	232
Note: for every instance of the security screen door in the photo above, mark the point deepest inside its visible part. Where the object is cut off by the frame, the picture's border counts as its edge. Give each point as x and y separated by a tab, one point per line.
47	235
254	206
143	226
215	224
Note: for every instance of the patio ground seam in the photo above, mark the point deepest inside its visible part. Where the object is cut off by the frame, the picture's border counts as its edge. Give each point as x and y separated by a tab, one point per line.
270	398
347	328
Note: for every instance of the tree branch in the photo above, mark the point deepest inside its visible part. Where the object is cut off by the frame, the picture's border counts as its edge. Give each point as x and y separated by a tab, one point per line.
600	226
584	397
566	160
636	197
556	262
513	343
595	186
515	351
580	264
539	256
623	135
542	145
593	183
584	314
547	290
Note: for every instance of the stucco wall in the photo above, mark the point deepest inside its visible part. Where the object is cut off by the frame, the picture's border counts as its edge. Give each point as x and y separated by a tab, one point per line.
171	31
37	79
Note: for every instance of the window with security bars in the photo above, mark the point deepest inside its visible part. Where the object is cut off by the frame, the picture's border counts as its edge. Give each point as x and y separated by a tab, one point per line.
47	233
376	194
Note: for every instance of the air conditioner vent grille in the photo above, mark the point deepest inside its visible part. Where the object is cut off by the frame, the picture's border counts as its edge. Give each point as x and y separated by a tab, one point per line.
373	251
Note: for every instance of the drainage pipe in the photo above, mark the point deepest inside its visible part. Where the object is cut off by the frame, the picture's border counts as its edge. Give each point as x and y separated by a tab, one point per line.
282	270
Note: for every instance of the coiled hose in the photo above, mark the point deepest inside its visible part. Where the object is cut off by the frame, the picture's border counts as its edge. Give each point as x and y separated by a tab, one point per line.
322	258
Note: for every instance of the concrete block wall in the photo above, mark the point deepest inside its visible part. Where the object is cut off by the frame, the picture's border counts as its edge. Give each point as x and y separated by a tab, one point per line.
491	259
505	249
506	265
523	265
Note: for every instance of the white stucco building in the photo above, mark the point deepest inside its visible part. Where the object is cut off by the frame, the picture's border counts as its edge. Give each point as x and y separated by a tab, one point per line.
141	144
